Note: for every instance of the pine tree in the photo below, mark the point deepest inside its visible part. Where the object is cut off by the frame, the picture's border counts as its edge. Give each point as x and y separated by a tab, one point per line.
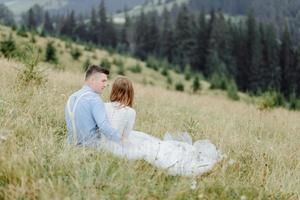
48	25
202	42
166	48
31	22
69	24
152	36
6	16
111	34
93	27
81	30
286	63
239	53
8	47
297	64
269	67
183	37
125	31
103	25
50	55
253	54
196	84
141	29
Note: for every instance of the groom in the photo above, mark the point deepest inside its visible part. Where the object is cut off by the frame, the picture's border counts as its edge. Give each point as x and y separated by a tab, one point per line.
85	113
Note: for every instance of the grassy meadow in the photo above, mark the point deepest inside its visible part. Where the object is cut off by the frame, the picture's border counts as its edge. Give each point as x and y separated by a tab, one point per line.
261	146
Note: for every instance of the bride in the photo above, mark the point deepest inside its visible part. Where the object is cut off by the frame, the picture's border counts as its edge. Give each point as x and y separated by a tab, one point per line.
178	155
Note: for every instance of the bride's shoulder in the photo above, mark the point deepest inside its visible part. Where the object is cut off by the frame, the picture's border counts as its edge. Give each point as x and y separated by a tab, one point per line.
130	110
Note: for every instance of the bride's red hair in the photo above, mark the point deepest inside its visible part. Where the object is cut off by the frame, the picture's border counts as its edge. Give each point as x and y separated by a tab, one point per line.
122	91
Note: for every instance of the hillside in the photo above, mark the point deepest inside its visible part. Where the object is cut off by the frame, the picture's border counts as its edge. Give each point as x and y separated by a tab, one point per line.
80	6
149	6
261	147
147	76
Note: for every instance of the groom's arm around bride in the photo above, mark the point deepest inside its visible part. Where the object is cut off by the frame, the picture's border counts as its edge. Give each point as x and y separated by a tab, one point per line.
85	112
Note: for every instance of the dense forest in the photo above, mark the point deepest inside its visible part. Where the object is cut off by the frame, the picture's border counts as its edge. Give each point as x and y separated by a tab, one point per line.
251	53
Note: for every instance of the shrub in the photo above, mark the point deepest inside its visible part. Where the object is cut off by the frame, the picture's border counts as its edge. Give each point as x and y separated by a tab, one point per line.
89	47
196	84
269	100
165	64
68	45
121	70
164	71
152	63
8	47
86	65
22	31
50	55
218	81
232	90
179	87
187	72
94	56
136	68
169	80
14	27
31	73
32	39
294	102
76	53
118	62
43	33
105	64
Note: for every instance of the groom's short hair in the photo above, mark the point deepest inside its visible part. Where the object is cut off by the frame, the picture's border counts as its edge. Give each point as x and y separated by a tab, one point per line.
95	69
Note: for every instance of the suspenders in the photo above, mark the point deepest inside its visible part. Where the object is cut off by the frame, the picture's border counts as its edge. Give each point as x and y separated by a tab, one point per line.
72	116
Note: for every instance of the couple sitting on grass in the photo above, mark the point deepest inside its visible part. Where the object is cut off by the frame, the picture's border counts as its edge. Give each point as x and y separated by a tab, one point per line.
109	127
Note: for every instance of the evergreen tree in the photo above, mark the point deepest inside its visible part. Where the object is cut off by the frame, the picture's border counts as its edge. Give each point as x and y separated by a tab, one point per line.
297	64
196	84
166	48
31	22
50	55
141	36
93	27
239	52
48	25
81	30
125	31
183	37
69	25
286	63
6	16
269	67
8	47
202	42
111	34
152	36
38	13
103	25
253	54
221	42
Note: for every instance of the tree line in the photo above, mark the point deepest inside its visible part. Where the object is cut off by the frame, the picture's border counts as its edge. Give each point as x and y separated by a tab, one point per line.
224	49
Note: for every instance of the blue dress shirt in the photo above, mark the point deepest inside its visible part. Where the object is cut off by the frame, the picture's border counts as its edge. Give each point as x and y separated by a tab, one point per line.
90	119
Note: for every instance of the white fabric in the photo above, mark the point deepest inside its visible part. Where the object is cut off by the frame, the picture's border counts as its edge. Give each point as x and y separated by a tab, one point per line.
176	153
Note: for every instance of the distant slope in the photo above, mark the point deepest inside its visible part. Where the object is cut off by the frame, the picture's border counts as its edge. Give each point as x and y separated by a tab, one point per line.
80	6
146	76
149	6
20	6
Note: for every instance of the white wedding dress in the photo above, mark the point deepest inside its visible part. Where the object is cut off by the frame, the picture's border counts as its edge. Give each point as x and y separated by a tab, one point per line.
176	154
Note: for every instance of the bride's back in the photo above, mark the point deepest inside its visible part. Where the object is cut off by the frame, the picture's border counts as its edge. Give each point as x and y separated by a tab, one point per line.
121	117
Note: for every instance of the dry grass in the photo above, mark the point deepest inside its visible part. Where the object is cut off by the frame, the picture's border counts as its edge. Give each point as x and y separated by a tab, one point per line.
262	147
